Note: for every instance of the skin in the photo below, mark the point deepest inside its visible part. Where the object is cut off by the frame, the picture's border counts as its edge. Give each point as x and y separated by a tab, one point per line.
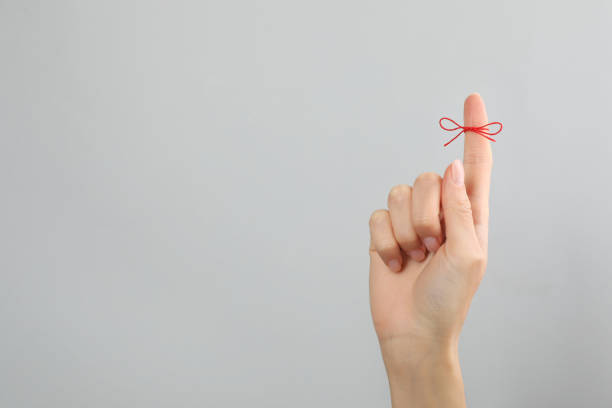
428	254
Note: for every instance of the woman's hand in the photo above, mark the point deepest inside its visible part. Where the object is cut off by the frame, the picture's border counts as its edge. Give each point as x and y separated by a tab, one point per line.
428	254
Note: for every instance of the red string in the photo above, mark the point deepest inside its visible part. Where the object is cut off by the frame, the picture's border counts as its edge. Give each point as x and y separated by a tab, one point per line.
481	130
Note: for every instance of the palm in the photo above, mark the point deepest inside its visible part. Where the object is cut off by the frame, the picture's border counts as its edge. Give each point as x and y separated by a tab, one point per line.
417	300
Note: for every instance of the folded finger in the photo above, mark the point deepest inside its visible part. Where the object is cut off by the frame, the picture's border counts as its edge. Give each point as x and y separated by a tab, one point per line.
426	210
383	242
400	210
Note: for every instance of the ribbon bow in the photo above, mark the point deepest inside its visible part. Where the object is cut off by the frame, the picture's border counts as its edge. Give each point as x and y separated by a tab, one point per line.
481	130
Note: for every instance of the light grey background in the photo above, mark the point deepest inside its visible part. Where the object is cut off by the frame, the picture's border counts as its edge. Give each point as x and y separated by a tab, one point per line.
186	187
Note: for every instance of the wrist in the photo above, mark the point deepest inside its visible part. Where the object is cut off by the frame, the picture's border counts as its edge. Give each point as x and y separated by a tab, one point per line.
408	353
423	372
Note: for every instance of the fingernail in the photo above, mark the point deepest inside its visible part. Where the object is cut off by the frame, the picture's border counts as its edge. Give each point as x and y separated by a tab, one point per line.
417	254
457	174
395	265
431	244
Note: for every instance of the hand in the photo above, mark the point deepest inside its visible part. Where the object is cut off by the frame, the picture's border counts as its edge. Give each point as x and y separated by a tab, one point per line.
428	254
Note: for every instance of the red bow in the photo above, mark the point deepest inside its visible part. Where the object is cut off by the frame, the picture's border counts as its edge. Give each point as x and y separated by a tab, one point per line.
481	130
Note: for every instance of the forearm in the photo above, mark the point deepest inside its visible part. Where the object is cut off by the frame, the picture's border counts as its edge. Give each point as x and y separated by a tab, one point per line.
423	375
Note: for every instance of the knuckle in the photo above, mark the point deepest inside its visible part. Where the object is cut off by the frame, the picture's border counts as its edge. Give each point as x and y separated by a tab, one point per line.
386	249
472	261
476	159
425	220
428	178
476	263
378	217
481	216
400	194
462	206
428	227
407	242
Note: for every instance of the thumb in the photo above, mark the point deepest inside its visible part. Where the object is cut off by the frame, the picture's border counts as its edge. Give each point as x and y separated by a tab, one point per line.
461	236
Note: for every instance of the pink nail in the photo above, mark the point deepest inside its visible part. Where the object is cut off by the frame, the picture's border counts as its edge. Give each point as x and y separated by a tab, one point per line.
457	173
431	244
417	254
395	265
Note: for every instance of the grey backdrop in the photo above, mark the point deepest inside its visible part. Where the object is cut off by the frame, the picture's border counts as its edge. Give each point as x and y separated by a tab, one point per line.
186	187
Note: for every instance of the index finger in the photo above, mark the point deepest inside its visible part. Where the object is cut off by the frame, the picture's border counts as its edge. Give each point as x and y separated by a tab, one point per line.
477	161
